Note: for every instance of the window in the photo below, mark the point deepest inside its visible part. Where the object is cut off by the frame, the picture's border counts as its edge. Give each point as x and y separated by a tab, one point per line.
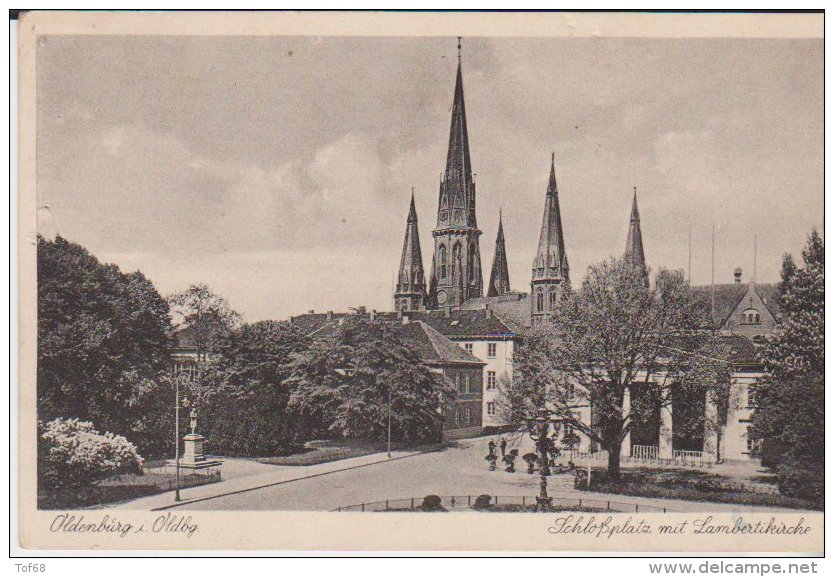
751	317
491	380
490	408
553	298
470	260
540	301
468	415
456	262
467	388
457	381
441	255
467	347
491	348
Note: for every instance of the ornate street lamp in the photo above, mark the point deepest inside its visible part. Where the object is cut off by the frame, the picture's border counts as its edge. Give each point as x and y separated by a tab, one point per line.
539	427
185	404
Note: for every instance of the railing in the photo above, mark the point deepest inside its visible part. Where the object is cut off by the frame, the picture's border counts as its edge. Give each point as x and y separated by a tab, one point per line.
644	451
690	458
649	454
463	502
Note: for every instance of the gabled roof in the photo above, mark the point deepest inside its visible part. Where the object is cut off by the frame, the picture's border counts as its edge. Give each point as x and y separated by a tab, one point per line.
433	347
512	308
466	323
728	296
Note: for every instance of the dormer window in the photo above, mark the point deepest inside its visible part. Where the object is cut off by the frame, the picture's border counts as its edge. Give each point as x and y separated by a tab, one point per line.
751	317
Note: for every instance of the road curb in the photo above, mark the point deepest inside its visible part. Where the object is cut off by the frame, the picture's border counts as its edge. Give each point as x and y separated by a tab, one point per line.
273	484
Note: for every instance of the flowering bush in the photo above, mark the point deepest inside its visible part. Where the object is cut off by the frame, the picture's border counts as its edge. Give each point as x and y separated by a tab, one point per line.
72	453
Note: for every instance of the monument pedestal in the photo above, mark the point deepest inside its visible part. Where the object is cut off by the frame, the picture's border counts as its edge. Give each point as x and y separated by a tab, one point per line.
193	456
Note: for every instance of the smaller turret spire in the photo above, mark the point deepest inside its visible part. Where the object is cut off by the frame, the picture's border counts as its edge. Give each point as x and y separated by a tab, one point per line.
634	243
410	290
499	278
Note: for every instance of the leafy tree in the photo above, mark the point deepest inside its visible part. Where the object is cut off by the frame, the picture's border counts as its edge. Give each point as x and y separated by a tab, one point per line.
243	396
100	331
341	385
615	335
205	316
790	399
72	453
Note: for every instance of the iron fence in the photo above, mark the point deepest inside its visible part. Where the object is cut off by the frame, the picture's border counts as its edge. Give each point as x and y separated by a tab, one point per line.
463	502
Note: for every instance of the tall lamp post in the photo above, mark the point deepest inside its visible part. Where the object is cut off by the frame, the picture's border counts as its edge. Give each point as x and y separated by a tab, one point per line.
185	404
389	419
539	427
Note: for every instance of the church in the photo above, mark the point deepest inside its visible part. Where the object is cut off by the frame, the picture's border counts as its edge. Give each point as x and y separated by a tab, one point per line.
451	299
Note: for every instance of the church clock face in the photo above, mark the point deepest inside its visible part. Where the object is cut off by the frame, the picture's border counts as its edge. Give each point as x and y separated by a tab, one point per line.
441	297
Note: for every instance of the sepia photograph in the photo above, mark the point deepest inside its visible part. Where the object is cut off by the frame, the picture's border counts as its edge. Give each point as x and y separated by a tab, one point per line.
508	269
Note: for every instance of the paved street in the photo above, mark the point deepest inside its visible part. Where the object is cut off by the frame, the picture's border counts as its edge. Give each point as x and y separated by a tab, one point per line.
459	470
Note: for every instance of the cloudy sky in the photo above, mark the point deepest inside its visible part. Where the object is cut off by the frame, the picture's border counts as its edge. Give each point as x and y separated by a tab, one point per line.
278	170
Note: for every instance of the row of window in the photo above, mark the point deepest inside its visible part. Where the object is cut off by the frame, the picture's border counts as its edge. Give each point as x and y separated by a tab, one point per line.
465	384
464	416
456	261
751	317
553	297
492	349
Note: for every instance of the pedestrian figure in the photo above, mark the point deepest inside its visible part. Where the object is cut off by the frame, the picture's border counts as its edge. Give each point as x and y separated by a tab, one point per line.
492	448
503	447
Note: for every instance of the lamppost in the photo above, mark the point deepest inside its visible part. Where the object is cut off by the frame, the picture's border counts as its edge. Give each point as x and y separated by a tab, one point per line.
185	404
539	427
389	419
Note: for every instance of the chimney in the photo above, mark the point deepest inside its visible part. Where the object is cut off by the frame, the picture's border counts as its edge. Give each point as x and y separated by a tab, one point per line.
737	275
406	317
311	312
330	315
373	315
488	312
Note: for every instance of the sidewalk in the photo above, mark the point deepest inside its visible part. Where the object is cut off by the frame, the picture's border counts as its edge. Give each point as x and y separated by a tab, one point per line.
278	475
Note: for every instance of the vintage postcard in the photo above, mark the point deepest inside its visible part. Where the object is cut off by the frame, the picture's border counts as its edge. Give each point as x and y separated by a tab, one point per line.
547	282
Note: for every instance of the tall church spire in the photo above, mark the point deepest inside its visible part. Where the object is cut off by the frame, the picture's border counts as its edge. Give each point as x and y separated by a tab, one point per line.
410	291
456	267
550	265
457	191
499	279
634	243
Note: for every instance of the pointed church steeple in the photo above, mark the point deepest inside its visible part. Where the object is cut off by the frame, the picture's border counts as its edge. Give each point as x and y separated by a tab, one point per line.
634	243
410	291
456	267
550	265
499	279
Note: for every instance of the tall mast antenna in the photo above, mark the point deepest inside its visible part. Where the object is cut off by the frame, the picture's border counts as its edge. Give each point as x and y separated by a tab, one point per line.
755	254
689	257
712	278
459	49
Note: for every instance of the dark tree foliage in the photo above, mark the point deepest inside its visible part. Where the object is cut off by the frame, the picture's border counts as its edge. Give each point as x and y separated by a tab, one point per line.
100	333
790	400
242	397
341	385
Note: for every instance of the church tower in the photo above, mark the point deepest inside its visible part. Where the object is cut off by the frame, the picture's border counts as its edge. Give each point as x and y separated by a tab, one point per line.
499	279
634	255
456	266
410	293
550	267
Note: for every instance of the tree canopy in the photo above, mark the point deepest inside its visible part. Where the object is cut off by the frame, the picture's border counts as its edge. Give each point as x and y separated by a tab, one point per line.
243	395
100	332
790	399
340	385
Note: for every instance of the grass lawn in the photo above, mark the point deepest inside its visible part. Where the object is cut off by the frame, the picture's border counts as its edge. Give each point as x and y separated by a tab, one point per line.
692	485
316	452
119	488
